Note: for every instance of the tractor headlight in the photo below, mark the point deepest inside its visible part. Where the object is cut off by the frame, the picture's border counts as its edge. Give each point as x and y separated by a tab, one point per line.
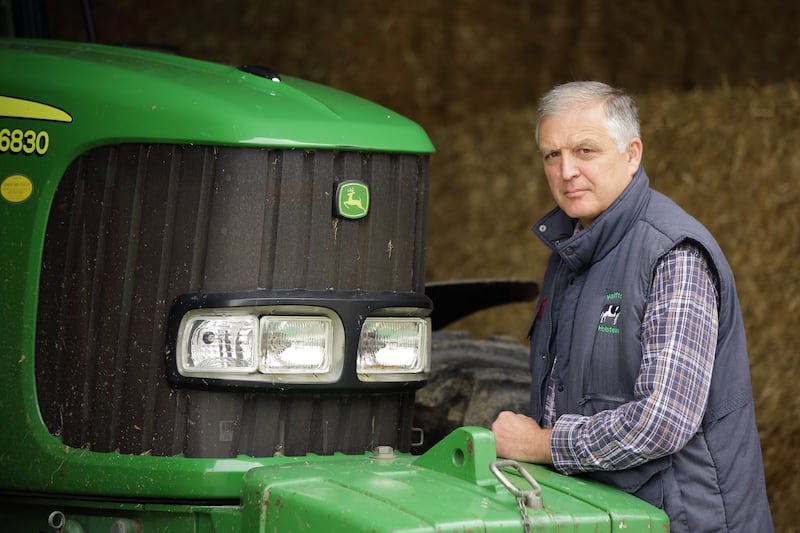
393	348
301	344
251	344
220	343
296	345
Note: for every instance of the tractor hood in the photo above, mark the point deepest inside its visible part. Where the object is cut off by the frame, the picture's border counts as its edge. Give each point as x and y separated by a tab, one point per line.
112	94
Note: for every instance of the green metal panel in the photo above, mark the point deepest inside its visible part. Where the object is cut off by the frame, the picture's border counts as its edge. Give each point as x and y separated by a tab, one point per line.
450	488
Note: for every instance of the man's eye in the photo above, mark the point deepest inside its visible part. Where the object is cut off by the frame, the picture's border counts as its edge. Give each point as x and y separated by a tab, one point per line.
550	155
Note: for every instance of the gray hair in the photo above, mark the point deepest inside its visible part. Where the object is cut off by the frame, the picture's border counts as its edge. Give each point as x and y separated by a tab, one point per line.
622	117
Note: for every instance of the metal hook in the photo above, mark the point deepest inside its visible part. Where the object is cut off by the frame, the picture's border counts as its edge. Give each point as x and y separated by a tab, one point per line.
532	497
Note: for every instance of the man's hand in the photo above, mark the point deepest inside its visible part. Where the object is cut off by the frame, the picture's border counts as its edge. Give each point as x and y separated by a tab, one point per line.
519	437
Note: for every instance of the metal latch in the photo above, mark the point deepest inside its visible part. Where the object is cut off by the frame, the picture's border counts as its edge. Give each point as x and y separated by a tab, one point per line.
526	499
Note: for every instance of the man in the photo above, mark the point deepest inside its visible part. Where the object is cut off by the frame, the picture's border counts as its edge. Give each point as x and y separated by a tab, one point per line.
640	374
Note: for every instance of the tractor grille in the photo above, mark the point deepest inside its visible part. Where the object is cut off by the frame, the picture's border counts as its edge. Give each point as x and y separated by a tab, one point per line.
132	226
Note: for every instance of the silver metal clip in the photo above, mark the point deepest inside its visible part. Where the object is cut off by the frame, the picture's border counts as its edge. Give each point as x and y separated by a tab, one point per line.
526	499
532	497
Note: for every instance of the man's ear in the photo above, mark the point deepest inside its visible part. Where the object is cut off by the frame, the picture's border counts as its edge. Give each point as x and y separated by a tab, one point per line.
634	153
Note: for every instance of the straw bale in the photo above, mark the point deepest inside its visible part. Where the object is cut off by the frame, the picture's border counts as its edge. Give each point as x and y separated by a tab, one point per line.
437	60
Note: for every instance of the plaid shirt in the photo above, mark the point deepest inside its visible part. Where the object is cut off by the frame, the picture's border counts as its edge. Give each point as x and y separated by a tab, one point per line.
679	335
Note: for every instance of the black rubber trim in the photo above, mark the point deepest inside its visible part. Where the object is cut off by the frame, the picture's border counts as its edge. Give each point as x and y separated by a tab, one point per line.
456	299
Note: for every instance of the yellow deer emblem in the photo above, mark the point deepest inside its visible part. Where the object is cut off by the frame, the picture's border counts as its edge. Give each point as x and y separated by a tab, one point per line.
352	199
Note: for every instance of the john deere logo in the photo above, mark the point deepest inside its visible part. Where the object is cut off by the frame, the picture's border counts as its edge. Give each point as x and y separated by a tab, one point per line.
352	199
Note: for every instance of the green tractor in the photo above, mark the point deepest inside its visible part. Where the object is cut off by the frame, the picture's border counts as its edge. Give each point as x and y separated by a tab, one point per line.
214	315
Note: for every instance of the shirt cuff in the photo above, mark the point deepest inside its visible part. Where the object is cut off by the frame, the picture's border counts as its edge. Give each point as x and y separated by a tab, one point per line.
564	445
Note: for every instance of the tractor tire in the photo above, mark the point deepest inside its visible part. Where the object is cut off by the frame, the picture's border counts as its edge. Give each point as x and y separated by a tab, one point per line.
470	382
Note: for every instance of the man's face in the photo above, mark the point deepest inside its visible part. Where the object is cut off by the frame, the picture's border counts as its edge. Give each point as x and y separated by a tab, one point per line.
585	171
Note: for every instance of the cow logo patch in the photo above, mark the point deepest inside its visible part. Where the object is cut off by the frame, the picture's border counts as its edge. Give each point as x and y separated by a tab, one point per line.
610	314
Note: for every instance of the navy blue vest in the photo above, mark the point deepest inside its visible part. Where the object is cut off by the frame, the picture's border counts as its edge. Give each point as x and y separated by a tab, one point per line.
590	315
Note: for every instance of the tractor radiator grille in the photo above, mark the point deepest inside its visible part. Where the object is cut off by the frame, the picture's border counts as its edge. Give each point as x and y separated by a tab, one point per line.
132	226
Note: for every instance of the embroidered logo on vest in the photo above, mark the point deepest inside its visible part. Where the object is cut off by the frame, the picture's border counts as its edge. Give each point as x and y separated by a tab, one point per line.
610	314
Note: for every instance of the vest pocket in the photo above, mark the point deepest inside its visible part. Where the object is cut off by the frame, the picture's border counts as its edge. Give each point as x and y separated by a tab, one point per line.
592	403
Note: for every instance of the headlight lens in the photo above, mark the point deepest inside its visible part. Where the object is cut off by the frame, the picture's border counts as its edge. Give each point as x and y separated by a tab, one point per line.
220	344
296	345
393	348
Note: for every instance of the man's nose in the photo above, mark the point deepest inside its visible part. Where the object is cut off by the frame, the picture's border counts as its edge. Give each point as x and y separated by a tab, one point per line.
569	167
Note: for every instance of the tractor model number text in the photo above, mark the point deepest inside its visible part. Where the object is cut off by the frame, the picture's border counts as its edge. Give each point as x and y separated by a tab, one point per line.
24	141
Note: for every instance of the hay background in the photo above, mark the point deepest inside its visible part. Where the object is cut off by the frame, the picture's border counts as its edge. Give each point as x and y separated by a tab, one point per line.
718	85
